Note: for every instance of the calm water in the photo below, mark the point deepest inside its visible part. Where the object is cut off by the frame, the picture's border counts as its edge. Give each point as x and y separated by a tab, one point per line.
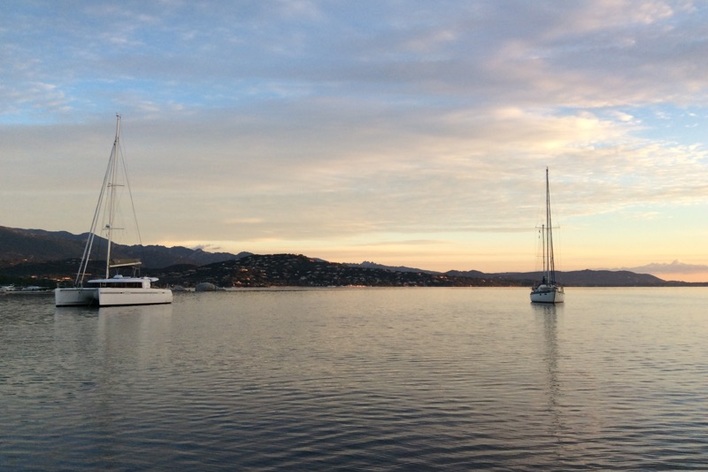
358	379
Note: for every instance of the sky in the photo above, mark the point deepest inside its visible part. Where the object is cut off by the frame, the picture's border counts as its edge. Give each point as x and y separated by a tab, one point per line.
411	133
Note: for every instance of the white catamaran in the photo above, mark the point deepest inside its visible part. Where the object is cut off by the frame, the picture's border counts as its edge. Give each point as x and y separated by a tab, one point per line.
548	290
117	290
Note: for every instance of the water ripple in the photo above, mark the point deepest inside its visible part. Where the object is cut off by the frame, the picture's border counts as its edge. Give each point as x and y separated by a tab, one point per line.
443	379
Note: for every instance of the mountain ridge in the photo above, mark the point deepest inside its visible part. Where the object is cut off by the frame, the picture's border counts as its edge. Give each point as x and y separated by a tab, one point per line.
38	246
55	255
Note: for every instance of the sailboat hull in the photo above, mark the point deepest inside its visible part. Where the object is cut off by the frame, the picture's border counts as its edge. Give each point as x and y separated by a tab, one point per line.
75	296
548	295
110	296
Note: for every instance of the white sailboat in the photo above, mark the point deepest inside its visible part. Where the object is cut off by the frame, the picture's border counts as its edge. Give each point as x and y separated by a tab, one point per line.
116	290
548	290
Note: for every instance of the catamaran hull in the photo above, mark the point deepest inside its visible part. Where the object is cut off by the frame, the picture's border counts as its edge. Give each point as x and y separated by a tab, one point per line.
75	296
554	295
109	296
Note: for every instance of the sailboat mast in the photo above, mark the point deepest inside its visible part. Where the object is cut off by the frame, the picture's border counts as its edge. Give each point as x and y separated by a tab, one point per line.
551	270
543	250
112	184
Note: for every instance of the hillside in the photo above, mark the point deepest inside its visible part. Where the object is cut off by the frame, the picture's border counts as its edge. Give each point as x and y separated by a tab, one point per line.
45	257
34	246
578	278
291	270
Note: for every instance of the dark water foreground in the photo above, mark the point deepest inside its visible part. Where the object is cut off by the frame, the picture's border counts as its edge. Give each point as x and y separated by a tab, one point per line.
358	379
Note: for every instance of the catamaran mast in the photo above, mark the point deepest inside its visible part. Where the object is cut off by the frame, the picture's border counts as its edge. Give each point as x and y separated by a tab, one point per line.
107	178
112	185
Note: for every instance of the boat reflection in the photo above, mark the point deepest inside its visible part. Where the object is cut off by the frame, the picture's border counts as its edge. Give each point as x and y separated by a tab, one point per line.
548	315
138	332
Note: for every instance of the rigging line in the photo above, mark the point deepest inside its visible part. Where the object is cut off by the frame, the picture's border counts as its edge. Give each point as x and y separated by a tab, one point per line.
81	274
130	194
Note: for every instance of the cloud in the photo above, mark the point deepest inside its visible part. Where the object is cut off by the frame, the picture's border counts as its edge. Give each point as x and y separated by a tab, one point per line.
182	55
337	169
309	121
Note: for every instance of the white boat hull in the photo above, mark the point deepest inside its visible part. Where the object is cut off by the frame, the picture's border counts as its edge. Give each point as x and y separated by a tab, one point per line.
75	296
110	296
547	294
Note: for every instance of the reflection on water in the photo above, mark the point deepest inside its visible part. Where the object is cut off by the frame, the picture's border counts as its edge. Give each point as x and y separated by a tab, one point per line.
407	379
548	314
106	335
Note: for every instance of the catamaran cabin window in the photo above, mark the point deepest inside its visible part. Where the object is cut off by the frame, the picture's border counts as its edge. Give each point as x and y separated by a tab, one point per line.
117	285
